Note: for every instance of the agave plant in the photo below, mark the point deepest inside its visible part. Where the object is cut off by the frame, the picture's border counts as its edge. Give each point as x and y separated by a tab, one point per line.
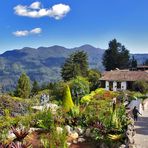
20	134
99	125
15	145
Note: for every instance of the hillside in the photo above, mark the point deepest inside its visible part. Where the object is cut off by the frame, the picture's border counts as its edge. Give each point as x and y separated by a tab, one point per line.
43	64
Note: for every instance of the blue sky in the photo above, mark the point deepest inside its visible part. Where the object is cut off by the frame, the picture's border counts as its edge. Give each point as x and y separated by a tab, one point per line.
71	23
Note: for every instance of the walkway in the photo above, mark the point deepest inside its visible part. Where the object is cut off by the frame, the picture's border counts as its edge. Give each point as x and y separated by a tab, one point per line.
141	126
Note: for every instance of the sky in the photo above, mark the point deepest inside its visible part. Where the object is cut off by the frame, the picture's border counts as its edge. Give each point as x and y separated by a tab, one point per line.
72	23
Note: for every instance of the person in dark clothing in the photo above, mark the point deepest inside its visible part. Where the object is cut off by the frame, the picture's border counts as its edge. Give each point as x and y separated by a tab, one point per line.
135	113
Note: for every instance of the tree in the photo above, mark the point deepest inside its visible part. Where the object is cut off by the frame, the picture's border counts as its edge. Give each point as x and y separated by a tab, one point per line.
67	99
146	62
75	65
133	63
57	89
79	88
116	56
35	88
80	58
23	86
93	78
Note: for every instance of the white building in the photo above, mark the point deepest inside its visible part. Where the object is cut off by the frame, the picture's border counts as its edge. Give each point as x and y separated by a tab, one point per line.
121	79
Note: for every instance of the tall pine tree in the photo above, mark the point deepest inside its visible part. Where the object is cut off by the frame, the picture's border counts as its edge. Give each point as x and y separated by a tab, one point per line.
23	86
133	63
116	56
75	65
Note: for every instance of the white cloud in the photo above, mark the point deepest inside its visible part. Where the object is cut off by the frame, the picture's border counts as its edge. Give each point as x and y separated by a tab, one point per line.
57	11
21	33
36	31
35	5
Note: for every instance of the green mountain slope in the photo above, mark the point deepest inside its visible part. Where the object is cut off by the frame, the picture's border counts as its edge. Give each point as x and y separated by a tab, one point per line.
43	64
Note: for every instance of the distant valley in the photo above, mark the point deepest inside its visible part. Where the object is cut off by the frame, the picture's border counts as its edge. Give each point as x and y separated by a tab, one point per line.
43	64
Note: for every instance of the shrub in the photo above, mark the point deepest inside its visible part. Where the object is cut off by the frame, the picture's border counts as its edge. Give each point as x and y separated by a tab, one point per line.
79	88
140	86
67	100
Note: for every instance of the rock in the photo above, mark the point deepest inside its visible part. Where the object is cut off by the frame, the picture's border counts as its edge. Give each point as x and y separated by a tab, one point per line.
74	135
79	130
131	140
59	130
81	140
35	129
130	127
129	133
131	146
75	141
103	145
123	146
88	132
10	135
68	144
133	133
68	129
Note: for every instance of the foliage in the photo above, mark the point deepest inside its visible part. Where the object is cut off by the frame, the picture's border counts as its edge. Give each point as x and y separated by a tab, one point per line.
23	86
140	86
67	99
44	119
146	62
79	88
55	139
133	63
20	134
15	105
75	65
57	90
93	78
35	88
116	56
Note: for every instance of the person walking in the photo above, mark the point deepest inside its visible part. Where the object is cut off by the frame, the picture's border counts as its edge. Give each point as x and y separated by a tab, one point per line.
135	113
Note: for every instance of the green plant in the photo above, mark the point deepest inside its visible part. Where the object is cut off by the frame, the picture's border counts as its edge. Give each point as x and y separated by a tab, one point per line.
55	139
79	88
44	119
140	86
20	134
67	100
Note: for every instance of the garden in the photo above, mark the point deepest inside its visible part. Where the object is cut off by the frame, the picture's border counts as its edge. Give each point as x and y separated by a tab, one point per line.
81	119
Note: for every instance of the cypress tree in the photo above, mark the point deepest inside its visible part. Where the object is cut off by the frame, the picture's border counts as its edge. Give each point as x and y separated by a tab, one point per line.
75	65
67	99
116	56
23	86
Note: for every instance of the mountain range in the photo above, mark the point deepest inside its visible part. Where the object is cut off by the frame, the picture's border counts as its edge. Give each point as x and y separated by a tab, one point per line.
43	64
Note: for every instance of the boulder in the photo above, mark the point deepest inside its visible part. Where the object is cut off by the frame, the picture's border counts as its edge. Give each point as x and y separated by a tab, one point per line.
123	146
69	129
88	132
79	130
74	135
59	130
81	140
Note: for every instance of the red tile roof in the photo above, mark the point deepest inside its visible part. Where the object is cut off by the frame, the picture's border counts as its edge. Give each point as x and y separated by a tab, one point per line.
121	75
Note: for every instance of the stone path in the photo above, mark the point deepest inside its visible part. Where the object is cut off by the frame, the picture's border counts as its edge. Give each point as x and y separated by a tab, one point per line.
141	127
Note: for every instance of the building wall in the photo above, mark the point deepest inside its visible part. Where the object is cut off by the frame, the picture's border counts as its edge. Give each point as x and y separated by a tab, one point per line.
123	85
